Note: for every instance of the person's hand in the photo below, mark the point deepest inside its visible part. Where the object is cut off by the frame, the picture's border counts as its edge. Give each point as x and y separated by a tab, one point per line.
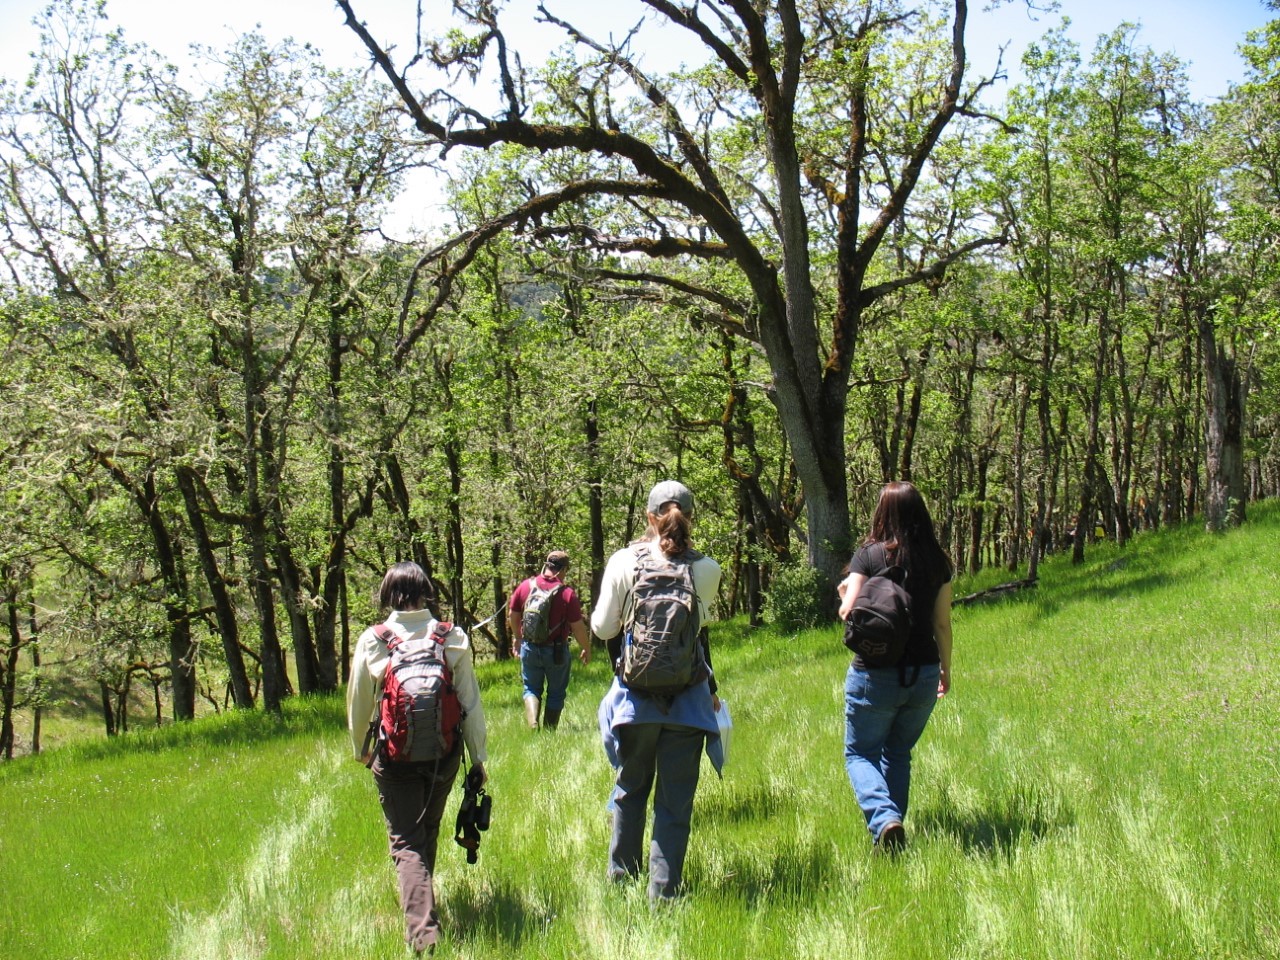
715	703
477	776
585	654
944	683
515	648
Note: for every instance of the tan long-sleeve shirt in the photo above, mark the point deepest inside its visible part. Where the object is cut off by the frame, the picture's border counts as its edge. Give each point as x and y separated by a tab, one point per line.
369	665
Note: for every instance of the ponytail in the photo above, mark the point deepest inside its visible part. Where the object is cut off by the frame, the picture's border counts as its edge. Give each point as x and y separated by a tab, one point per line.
671	529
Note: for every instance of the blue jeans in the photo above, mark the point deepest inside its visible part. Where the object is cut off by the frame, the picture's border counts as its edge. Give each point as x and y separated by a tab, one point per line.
538	669
883	721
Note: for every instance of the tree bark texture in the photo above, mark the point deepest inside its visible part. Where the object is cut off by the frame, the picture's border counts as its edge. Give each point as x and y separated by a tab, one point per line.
1224	500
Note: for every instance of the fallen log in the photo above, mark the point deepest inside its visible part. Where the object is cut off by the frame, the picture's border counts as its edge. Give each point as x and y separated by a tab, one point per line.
995	593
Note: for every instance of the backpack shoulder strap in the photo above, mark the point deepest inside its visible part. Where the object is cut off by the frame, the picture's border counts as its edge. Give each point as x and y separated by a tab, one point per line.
386	635
558	589
554	592
641	561
885	562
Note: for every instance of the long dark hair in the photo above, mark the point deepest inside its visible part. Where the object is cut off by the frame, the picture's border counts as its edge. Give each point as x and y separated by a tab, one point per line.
405	587
902	525
671	528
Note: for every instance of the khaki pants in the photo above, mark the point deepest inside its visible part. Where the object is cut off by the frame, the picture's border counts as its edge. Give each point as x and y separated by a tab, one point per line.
413	798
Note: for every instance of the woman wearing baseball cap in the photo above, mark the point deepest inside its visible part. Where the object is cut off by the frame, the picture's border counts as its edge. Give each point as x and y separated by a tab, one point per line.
654	732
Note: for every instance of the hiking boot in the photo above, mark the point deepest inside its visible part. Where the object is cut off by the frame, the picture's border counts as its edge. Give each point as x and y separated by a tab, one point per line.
892	839
551	719
531	706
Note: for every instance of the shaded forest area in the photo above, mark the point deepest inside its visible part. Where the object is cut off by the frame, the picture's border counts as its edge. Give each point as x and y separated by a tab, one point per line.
817	261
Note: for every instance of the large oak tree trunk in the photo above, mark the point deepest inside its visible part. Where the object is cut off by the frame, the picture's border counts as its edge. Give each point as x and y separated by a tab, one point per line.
1224	499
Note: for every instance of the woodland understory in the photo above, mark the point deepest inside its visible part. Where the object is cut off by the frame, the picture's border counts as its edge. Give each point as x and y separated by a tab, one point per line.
831	254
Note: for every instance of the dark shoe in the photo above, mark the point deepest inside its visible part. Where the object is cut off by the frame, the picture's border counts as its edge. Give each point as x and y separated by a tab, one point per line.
551	719
892	839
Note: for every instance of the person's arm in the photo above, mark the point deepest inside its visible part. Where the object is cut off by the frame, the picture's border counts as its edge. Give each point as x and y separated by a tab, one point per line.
514	623
942	634
515	618
458	653
848	591
606	618
362	694
706	575
579	630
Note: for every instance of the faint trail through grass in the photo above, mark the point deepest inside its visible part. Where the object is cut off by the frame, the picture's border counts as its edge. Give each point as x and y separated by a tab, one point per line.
269	881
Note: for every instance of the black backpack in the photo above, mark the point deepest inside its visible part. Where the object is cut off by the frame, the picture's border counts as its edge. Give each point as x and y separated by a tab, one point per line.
879	625
535	621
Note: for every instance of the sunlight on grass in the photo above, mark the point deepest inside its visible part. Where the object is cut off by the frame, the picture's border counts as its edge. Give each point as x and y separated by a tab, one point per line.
1099	784
269	885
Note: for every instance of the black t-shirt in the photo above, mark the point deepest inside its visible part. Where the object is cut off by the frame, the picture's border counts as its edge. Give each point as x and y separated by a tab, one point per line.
922	649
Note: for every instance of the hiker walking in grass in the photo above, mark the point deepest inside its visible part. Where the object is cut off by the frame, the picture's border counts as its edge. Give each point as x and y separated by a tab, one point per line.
887	704
543	614
412	702
660	712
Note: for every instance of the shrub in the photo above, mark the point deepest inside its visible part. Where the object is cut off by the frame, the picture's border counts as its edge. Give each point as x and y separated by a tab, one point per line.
796	598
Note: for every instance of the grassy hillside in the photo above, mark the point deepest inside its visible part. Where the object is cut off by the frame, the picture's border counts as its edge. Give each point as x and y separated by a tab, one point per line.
1102	782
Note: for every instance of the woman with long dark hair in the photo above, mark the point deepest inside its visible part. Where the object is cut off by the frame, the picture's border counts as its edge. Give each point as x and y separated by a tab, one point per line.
655	740
886	708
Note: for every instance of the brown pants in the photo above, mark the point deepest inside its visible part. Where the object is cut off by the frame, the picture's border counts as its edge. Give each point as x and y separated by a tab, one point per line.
413	798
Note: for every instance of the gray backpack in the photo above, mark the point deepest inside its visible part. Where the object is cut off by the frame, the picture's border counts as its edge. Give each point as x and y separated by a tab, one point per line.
535	622
661	653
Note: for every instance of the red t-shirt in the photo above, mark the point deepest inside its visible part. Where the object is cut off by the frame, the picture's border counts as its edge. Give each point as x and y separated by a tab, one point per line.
566	608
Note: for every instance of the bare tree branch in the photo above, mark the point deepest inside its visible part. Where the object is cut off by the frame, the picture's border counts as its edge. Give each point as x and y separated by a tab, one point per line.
933	271
666	247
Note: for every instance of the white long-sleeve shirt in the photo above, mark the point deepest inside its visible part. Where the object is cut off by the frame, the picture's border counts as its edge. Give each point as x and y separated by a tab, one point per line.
369	666
613	607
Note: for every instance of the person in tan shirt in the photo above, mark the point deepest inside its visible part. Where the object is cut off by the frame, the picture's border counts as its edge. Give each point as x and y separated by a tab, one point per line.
413	794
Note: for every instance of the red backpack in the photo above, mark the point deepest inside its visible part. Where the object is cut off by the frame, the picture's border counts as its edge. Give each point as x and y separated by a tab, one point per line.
420	715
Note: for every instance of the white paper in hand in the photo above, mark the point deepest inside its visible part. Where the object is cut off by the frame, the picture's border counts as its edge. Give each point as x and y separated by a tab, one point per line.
725	722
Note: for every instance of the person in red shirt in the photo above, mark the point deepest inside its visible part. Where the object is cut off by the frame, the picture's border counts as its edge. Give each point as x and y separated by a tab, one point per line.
550	612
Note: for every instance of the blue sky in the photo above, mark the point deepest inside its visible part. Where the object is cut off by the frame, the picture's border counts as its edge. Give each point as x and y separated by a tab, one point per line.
1203	32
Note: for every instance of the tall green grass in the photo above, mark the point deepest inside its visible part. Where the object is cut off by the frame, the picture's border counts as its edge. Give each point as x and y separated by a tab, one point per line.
1101	782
